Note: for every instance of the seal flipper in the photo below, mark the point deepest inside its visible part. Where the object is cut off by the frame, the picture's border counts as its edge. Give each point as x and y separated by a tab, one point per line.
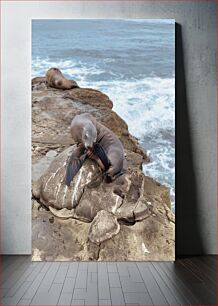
73	166
99	151
72	169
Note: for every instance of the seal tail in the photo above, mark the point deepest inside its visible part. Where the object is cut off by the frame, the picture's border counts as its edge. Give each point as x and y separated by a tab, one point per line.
100	152
73	167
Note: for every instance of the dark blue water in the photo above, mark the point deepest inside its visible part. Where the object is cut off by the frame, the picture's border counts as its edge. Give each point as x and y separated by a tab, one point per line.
133	61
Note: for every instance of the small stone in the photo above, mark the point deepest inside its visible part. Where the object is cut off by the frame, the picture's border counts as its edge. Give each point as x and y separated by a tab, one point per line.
62	213
51	153
36	205
51	220
42	208
103	227
141	211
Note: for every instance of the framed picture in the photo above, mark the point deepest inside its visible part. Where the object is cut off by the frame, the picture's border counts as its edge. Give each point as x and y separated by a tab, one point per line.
103	139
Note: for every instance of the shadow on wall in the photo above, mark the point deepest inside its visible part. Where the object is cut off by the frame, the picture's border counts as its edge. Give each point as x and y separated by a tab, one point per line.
189	238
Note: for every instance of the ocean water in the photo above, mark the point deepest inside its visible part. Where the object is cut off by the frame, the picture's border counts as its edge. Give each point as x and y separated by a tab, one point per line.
133	62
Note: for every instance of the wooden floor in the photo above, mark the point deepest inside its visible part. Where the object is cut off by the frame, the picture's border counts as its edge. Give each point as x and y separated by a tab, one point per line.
189	281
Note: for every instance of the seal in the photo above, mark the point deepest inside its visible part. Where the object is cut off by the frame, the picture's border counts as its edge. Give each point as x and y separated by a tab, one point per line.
96	142
55	79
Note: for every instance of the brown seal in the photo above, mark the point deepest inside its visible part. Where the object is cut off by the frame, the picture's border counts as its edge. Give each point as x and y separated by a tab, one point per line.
55	79
96	142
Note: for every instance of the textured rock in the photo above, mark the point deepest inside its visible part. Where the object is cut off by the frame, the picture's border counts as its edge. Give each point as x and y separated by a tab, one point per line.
53	110
91	97
51	189
145	240
89	194
81	222
57	239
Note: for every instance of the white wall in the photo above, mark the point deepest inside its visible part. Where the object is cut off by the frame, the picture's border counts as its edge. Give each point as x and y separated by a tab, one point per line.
198	21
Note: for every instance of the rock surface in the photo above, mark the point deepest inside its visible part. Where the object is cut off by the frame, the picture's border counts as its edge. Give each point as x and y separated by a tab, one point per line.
128	219
104	226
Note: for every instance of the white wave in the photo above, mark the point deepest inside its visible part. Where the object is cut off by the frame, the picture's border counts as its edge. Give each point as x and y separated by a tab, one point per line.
162	167
76	70
159	21
146	105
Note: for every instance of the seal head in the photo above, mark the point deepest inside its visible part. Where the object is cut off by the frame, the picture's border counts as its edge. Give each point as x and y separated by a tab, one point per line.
89	135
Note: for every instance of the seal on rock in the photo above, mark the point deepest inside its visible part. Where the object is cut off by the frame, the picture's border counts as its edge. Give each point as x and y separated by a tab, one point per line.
97	142
55	79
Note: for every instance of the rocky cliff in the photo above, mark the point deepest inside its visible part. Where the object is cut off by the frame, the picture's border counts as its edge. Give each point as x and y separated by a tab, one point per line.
128	219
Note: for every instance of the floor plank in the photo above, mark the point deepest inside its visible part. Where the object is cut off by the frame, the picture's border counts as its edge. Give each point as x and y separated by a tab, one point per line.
203	271
168	292
28	276
155	292
185	291
13	275
188	281
206	294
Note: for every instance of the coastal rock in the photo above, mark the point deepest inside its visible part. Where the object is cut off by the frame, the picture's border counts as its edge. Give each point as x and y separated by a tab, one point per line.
51	189
52	113
57	239
88	193
91	97
148	240
68	228
103	227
